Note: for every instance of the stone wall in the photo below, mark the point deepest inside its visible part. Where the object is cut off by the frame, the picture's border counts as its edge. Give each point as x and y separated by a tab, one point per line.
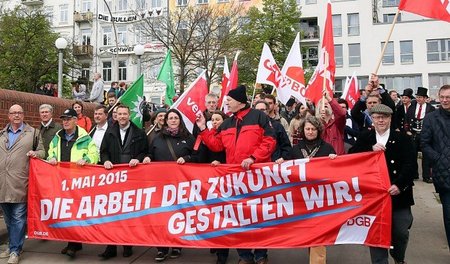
31	102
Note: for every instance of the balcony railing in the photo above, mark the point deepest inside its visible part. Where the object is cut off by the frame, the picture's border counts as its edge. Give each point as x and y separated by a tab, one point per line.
32	2
83	17
310	33
83	51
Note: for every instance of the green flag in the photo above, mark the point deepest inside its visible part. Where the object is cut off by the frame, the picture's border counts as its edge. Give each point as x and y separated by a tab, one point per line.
166	75
133	98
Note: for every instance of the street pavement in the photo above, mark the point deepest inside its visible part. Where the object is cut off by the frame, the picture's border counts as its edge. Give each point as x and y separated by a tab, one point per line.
427	244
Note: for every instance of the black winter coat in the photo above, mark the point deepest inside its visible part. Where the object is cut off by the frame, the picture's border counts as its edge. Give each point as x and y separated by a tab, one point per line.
400	157
110	148
283	147
325	149
435	140
182	146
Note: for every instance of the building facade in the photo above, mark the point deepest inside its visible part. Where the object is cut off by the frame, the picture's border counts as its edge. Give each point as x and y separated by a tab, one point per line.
104	33
418	53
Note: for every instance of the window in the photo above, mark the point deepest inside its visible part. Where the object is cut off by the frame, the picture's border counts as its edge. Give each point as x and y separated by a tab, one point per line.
182	2
86	6
64	13
388	57
337	26
156	4
122	70
86	36
438	50
223	26
390	3
123	5
353	24
48	11
107	70
122	35
388	18
354	54
338	55
399	83
222	1
436	81
140	4
338	85
85	73
309	2
140	35
107	36
311	56
202	2
106	4
406	52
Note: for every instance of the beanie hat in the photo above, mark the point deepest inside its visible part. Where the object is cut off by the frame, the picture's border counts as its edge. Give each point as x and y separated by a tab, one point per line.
160	110
239	94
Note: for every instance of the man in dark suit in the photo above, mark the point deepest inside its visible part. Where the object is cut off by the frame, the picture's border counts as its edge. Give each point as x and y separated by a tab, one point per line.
415	115
123	142
399	155
401	123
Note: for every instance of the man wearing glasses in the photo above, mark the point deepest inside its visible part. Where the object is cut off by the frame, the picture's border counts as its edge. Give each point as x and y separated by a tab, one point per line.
435	140
399	155
18	142
72	144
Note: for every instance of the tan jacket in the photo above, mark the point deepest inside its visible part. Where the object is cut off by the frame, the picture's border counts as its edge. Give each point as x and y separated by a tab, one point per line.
14	164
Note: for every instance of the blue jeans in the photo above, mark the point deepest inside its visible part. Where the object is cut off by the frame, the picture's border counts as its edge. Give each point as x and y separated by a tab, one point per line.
246	254
15	215
445	200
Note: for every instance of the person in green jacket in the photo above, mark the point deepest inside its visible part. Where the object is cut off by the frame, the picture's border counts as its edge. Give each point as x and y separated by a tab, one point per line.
72	144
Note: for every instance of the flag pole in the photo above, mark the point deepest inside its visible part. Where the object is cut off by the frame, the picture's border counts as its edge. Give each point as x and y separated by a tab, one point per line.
386	42
151	129
324	86
254	92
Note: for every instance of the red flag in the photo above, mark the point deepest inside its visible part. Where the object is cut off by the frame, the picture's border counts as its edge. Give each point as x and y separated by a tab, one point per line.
351	91
437	9
232	83
192	102
315	85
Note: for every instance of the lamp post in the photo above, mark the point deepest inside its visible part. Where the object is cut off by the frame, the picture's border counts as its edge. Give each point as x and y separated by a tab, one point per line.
139	51
61	44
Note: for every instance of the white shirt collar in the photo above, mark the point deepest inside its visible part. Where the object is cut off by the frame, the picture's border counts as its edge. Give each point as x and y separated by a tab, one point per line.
104	127
48	123
383	138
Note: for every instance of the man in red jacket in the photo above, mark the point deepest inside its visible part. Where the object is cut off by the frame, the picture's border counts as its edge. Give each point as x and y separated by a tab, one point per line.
246	137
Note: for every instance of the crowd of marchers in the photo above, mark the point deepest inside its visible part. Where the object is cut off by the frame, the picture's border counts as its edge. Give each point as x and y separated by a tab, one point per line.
252	131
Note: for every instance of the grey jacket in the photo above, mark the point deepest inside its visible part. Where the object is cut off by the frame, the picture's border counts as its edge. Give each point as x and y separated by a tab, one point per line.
14	164
97	92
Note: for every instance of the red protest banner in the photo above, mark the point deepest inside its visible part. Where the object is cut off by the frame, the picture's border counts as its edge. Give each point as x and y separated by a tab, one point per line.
305	202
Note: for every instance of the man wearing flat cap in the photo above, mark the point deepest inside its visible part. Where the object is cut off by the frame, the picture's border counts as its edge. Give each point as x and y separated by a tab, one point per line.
400	157
415	115
246	137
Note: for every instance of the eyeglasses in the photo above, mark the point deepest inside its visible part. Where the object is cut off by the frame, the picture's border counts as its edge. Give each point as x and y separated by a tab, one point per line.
380	117
16	113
